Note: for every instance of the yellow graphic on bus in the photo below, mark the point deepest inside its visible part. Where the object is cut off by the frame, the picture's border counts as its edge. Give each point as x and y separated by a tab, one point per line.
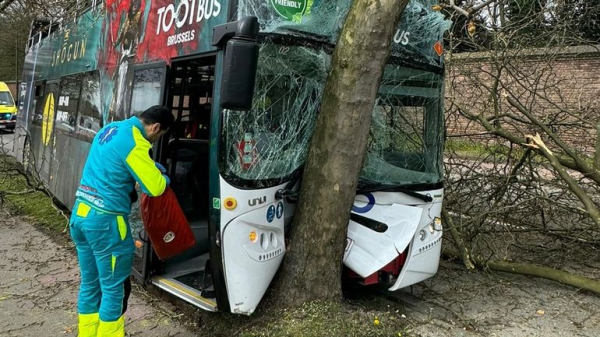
48	120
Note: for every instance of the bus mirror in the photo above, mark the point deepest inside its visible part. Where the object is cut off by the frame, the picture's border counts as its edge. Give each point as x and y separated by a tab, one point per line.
238	39
239	74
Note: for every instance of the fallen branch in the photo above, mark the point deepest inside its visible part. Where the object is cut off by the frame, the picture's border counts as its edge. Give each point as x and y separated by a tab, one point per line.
536	142
580	282
464	251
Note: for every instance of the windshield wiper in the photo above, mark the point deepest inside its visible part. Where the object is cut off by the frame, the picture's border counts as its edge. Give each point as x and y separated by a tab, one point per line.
396	188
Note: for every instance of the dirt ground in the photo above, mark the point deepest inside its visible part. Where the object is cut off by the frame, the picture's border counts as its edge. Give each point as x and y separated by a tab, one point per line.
39	280
38	290
460	303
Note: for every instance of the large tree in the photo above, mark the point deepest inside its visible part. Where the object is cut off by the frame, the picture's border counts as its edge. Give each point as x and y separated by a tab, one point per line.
312	268
16	17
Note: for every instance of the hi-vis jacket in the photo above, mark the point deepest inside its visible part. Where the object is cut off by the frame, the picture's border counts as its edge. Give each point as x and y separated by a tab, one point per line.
119	157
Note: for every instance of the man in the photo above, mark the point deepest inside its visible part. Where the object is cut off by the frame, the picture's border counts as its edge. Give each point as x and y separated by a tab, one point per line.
119	157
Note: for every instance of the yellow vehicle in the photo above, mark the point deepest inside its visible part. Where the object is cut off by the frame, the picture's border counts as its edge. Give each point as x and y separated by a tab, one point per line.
8	109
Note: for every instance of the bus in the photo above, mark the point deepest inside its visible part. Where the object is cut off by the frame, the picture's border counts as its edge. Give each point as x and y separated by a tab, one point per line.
244	79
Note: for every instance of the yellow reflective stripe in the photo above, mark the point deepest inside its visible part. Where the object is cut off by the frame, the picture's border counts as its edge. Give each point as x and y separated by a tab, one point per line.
114	263
122	227
143	167
88	324
83	210
99	210
112	329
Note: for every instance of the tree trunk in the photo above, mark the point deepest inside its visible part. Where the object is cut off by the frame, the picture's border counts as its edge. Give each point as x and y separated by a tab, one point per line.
312	267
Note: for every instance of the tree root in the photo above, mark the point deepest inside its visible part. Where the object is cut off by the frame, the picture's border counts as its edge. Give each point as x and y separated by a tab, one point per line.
580	282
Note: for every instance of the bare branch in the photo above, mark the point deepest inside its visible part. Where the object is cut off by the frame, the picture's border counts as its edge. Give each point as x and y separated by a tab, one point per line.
537	143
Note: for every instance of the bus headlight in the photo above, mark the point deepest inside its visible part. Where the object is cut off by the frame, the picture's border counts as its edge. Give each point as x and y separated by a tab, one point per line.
422	235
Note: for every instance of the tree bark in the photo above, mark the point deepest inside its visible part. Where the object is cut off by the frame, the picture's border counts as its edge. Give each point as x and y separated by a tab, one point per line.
312	267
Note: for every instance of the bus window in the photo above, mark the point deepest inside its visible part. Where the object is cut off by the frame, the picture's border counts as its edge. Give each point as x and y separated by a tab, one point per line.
68	102
147	89
90	118
38	115
404	145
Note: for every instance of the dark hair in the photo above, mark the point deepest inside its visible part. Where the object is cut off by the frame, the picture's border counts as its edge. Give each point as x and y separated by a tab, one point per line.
158	114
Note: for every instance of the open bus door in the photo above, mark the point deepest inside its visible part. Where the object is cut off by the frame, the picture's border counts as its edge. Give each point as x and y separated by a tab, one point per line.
148	90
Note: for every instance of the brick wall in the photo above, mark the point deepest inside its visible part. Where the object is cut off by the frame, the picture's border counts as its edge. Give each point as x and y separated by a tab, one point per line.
560	86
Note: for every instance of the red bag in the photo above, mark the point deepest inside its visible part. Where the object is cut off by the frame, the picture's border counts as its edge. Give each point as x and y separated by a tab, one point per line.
166	225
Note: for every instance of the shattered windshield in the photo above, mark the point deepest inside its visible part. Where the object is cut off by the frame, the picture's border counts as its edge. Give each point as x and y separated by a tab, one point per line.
271	141
418	37
406	137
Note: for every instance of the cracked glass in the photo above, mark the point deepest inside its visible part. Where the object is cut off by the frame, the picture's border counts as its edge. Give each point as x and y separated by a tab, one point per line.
270	142
405	144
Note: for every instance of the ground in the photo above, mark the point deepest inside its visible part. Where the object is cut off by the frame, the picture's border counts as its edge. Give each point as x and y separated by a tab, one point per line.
460	303
39	280
38	289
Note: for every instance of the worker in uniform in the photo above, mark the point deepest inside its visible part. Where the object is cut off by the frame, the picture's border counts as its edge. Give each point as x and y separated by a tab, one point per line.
119	157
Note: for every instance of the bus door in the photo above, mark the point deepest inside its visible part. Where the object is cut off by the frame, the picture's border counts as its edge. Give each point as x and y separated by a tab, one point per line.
148	90
185	153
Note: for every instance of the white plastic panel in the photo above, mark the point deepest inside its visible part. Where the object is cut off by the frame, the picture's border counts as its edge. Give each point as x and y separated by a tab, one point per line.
253	245
371	250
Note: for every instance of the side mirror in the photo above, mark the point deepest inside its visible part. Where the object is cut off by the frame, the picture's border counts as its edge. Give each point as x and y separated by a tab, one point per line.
238	39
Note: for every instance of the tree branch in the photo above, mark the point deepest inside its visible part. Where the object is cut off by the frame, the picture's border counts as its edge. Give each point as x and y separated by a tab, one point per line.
597	155
537	143
580	282
464	251
5	4
547	130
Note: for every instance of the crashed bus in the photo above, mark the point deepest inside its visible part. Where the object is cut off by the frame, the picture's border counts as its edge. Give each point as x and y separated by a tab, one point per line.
244	79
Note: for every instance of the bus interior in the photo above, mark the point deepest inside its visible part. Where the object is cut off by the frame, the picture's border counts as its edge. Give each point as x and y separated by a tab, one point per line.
185	153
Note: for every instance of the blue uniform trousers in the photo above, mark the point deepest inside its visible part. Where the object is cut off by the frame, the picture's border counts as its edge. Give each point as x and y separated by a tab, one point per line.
105	252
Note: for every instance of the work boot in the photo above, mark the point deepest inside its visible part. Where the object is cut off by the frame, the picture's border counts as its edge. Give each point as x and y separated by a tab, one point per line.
112	329
88	325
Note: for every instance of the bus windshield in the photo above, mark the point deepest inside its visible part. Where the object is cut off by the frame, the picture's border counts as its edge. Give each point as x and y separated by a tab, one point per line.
270	142
266	145
405	145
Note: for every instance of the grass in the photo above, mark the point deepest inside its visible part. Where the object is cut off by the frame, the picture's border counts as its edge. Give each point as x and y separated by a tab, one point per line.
365	318
473	149
331	319
35	206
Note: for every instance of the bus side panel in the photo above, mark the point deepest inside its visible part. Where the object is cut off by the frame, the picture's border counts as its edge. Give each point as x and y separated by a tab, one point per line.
36	147
69	158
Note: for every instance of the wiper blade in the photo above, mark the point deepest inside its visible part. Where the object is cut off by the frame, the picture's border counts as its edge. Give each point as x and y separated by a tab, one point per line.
371	224
396	188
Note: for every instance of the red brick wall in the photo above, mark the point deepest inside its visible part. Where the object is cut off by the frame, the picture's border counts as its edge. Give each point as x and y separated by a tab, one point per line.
559	86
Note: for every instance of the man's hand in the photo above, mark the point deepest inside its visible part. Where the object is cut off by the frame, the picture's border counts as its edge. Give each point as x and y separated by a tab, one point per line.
167	179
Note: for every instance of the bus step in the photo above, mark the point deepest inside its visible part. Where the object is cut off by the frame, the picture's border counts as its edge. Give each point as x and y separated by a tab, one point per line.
185	292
